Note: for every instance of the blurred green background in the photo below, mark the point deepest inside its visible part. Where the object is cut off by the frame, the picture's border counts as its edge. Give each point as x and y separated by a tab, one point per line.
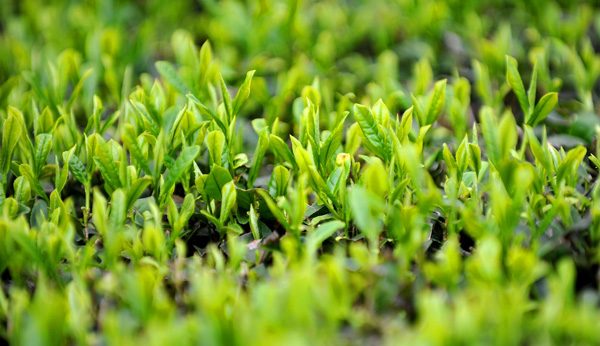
347	43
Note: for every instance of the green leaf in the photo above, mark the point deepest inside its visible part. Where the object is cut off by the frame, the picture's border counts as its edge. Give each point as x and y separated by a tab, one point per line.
99	212
118	210
208	113
367	209
514	80
254	223
90	150
185	213
77	168
449	160
172	212
569	165
109	122
6	88
106	164
78	88
367	123
34	183
217	178
169	73
306	165
175	128
508	133
45	123
33	80
96	118
182	164
141	110
475	158
130	142
419	111
279	181
436	102
229	196
212	219
22	190
542	109
226	99
595	160
339	175
274	208
159	155
43	145
482	83
11	132
462	156
205	60
489	130
243	93
215	142
312	122
135	190
531	93
62	177
282	151
381	113
353	139
257	159
405	124
536	148
330	146
297	204
324	231
375	177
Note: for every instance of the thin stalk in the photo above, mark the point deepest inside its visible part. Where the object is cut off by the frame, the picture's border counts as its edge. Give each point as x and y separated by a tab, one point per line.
86	210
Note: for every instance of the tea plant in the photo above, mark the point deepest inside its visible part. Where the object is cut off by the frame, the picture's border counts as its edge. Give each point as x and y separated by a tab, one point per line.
288	172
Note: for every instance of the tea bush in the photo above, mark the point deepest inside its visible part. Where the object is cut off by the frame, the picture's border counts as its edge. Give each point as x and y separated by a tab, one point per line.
299	172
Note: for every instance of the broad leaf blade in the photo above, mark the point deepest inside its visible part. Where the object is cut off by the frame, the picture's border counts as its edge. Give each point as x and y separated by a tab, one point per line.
182	164
514	80
543	108
169	73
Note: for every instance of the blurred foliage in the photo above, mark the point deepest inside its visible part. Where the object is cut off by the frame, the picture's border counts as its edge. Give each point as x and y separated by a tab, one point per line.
299	172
